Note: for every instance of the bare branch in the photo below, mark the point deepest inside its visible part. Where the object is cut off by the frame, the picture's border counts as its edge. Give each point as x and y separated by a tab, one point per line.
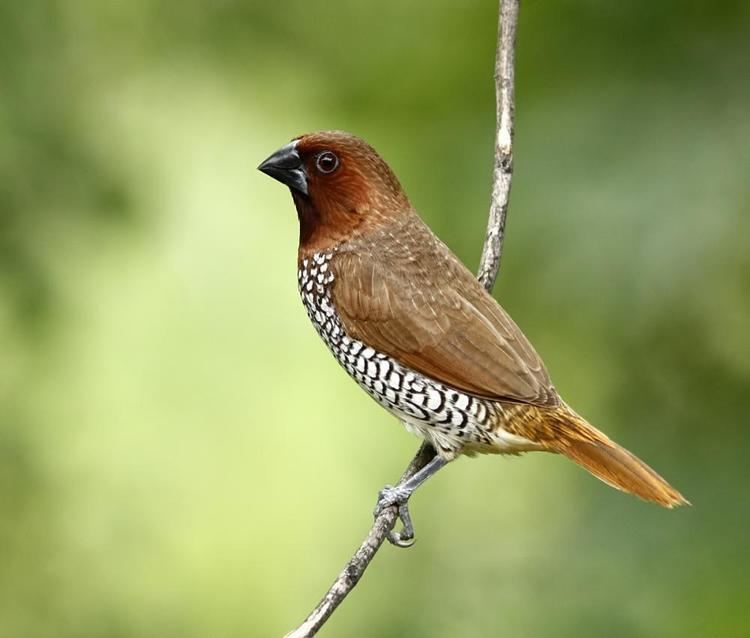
489	265
358	563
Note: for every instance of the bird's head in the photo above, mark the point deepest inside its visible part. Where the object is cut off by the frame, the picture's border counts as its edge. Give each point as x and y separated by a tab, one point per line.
340	186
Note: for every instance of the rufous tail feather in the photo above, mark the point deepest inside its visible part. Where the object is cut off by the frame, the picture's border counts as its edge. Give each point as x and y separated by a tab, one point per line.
613	464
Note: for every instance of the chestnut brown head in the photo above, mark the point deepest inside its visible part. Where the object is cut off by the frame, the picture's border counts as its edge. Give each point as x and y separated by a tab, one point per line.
340	186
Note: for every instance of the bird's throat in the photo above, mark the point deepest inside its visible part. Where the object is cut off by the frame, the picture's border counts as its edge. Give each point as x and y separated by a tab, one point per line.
308	215
321	229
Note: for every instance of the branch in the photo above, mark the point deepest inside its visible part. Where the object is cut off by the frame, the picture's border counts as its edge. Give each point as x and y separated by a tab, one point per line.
489	265
502	172
353	570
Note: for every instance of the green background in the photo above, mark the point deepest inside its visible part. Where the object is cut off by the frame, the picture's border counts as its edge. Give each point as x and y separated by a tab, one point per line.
180	456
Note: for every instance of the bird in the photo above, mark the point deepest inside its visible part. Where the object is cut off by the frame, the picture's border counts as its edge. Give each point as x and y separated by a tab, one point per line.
414	328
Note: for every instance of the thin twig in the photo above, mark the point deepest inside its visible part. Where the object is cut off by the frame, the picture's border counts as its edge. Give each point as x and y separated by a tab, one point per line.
489	264
355	567
488	268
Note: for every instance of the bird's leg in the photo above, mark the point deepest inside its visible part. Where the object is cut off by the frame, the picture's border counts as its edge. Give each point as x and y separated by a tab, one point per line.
399	495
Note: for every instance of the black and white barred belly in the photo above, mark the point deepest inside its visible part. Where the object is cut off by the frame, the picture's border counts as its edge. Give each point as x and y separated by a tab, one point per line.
449	419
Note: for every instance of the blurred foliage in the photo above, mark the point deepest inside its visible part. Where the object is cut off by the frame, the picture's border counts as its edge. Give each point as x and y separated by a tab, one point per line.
178	453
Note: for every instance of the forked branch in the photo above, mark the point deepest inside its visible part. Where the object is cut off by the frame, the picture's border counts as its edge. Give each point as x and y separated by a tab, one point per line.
489	265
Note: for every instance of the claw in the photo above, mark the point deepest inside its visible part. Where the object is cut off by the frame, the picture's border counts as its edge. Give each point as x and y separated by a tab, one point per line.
398	539
399	496
404	538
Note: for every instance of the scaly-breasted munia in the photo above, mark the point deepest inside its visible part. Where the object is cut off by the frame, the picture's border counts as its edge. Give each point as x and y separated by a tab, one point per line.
409	322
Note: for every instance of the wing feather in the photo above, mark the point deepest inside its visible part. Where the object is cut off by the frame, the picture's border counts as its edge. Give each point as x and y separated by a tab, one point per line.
420	305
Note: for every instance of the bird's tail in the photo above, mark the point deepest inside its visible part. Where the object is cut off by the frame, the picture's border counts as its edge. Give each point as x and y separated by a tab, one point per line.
613	464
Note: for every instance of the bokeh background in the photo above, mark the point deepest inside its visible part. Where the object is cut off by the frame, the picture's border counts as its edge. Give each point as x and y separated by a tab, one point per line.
179	456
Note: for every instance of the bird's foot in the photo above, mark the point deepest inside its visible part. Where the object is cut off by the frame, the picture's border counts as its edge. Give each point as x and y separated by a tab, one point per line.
399	496
391	495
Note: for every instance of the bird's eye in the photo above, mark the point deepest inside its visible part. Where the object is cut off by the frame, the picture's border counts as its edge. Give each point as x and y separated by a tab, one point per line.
327	162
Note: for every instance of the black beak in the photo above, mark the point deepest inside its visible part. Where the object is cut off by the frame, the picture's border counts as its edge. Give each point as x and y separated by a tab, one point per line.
285	165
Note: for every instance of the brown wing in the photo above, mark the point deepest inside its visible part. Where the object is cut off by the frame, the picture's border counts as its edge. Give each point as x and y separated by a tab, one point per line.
417	303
